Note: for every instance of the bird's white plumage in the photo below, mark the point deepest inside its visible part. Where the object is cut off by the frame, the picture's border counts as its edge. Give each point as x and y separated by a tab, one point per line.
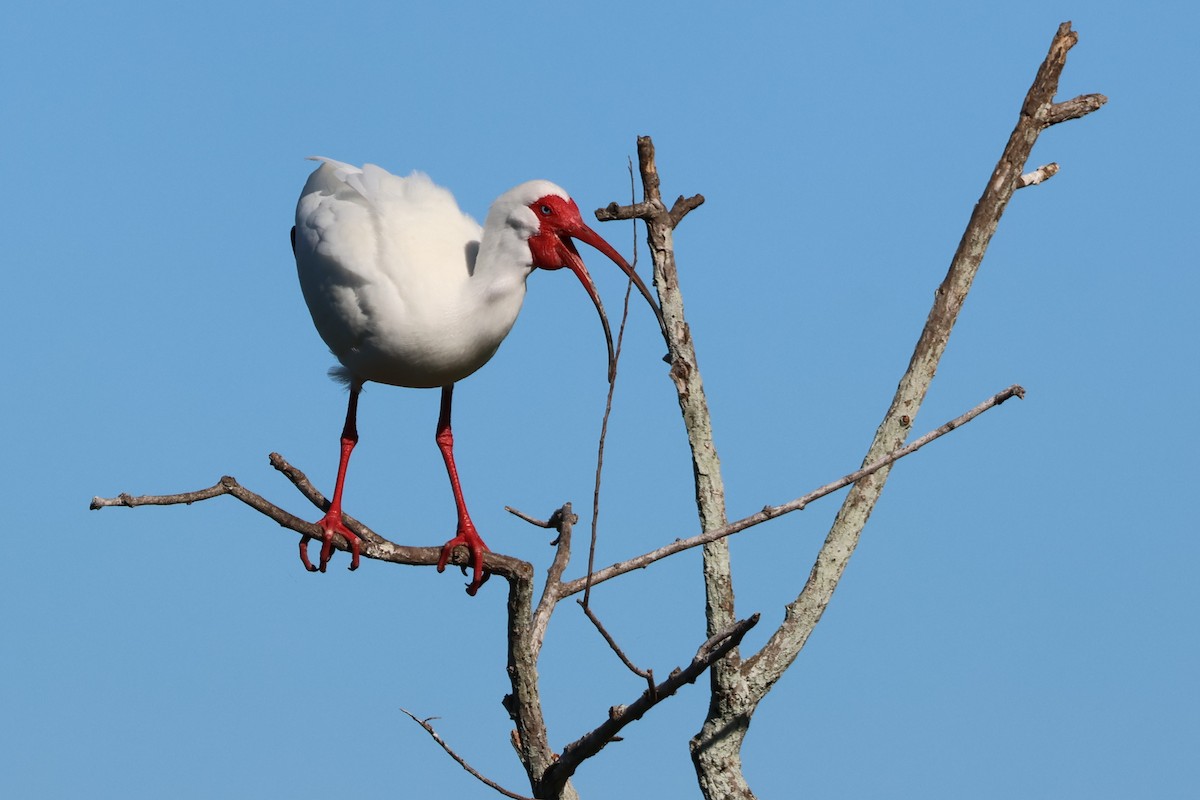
404	287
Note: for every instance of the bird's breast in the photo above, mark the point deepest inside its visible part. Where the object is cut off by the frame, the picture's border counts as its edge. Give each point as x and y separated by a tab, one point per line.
401	285
423	337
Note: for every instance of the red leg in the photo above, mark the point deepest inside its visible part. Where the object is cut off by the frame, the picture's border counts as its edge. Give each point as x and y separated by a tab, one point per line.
467	535
332	523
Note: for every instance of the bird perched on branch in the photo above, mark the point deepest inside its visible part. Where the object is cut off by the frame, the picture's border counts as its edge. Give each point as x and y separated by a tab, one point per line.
407	290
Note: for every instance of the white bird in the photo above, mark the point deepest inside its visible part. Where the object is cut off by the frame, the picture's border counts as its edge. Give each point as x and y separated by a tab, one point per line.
407	290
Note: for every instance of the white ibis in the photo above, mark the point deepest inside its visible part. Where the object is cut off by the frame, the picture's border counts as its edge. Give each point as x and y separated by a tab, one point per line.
408	290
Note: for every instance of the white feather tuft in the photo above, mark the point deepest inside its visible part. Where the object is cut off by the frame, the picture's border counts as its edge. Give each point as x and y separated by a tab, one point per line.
341	375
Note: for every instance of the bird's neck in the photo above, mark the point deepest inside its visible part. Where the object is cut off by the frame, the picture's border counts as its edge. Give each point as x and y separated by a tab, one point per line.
497	282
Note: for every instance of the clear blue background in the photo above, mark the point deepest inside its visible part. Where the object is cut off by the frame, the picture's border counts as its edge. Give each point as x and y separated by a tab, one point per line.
1020	618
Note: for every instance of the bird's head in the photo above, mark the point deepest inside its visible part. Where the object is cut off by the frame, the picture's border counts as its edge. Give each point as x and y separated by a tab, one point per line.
552	247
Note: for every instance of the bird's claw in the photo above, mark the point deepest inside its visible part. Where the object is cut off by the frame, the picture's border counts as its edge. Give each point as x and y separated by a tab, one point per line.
330	525
469	538
308	565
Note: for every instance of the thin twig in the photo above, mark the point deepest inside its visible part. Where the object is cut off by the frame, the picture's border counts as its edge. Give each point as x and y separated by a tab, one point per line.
771	512
612	386
647	674
185	498
541	523
462	762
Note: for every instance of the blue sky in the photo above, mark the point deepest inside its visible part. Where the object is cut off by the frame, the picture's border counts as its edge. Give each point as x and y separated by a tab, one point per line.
1020	618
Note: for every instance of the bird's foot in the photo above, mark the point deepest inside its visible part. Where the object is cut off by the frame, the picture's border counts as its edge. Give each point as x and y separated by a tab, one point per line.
469	538
330	524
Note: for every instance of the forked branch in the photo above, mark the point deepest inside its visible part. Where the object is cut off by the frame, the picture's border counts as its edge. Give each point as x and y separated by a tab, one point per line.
373	545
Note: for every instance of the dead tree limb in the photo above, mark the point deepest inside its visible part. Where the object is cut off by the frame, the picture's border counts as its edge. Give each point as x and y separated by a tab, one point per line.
798	504
373	545
619	716
805	611
739	686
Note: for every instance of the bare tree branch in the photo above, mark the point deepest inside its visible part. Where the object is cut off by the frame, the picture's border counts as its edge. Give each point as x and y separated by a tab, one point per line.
771	512
540	523
462	762
526	628
684	206
619	716
1074	108
374	546
716	749
524	704
186	498
763	669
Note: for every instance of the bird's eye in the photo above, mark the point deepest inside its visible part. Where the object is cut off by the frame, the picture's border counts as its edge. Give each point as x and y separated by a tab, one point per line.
545	211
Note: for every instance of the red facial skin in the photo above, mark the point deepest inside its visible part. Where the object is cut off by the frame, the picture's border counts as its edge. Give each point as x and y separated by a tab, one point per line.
552	249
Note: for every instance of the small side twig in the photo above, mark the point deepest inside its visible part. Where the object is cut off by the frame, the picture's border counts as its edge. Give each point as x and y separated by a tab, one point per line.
462	762
1039	175
683	206
540	523
1074	108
